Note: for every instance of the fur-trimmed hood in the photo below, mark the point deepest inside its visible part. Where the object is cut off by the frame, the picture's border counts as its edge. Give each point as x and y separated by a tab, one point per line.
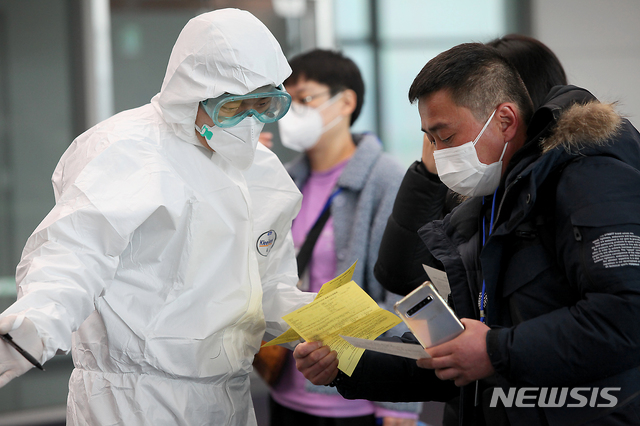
574	119
572	122
571	125
580	125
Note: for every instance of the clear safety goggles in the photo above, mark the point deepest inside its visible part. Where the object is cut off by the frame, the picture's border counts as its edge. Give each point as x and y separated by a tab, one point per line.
266	104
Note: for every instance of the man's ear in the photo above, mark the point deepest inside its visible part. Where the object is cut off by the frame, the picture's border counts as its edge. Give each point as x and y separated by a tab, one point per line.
349	101
509	120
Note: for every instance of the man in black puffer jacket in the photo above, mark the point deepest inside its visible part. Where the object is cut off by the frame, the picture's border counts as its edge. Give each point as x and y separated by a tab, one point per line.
421	197
543	259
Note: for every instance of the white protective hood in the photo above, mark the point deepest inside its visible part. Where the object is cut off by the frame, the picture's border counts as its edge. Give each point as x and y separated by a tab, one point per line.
163	261
226	51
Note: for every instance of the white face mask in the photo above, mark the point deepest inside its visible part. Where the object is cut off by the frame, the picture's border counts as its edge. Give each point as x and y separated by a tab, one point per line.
461	170
302	126
236	144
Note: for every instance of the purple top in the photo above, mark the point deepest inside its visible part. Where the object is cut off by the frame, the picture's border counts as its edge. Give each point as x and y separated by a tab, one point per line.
290	390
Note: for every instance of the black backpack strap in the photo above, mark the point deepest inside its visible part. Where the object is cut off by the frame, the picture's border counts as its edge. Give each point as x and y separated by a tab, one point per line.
304	255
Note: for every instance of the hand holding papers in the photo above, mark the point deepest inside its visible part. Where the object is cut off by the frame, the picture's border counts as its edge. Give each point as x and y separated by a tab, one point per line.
426	314
347	310
291	335
341	308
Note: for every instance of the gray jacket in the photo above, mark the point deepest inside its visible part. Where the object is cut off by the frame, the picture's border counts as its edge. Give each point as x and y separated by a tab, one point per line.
360	212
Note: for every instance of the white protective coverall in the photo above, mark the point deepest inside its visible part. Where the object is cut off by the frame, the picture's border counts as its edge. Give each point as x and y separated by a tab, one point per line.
166	259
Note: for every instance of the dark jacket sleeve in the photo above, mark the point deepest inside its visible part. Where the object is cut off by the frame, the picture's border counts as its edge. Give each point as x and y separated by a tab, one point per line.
421	199
598	246
382	377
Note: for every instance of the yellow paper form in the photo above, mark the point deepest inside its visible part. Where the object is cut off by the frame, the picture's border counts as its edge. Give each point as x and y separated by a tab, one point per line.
338	281
291	335
347	310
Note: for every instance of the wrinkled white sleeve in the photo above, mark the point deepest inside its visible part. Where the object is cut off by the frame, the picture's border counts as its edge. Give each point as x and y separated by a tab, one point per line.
73	255
65	265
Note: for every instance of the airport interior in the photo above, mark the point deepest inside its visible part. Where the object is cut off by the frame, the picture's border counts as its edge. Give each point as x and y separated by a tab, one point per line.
84	60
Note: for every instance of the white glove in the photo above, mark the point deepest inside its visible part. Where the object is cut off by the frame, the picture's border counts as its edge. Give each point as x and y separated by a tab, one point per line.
24	333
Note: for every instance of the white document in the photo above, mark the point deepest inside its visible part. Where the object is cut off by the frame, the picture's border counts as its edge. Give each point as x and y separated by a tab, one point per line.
407	350
439	280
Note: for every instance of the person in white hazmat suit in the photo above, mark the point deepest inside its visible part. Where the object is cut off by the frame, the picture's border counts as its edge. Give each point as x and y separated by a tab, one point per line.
169	249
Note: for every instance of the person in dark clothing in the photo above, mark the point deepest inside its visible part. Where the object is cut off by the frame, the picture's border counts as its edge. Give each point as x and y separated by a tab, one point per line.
543	258
539	68
422	197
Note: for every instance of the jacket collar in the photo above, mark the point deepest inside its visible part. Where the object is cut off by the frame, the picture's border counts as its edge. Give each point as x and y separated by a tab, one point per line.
571	120
571	123
356	173
579	121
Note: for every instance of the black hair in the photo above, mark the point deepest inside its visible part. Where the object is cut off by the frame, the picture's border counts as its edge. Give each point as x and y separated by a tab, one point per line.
537	65
477	77
332	69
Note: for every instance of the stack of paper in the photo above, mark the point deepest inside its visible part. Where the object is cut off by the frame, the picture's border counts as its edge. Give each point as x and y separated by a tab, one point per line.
340	308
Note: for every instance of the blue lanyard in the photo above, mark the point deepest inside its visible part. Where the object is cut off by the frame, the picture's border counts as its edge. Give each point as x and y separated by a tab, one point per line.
329	200
484	241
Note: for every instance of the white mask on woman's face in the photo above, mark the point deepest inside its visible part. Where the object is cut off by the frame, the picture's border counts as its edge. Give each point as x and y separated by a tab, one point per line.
236	144
301	128
461	170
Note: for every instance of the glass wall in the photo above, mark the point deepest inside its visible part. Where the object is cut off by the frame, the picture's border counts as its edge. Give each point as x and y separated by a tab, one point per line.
36	115
37	123
392	40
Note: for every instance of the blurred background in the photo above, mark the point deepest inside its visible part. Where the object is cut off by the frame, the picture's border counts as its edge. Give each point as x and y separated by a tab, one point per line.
67	64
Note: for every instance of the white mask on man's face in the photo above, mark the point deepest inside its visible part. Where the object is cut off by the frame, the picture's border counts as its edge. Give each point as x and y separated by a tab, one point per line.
301	127
461	170
236	144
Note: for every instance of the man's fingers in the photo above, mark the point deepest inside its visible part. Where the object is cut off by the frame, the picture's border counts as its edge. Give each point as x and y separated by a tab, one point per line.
321	372
316	357
447	374
304	349
442	362
443	349
468	322
313	365
425	363
326	375
444	369
317	363
439	362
